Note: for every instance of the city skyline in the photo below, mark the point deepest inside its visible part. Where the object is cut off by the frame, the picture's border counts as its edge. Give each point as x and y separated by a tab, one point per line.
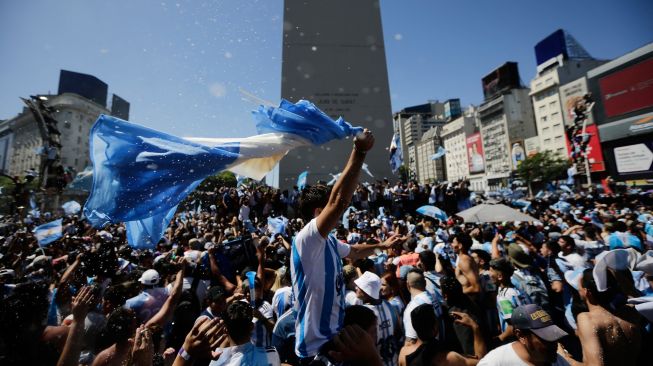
182	69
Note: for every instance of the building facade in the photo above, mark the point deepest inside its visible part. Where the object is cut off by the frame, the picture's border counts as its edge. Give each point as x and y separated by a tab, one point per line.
76	116
427	170
453	140
623	94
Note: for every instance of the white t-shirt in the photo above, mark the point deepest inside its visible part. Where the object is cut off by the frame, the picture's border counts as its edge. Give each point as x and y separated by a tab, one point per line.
506	356
318	288
260	335
248	354
422	298
352	299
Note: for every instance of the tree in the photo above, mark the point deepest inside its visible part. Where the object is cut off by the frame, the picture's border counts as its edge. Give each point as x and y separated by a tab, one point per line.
543	166
404	173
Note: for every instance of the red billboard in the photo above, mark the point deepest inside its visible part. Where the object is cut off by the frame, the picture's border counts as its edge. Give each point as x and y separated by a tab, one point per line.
475	155
595	155
628	90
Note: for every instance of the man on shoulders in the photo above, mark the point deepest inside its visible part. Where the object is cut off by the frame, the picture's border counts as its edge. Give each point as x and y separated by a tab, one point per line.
316	259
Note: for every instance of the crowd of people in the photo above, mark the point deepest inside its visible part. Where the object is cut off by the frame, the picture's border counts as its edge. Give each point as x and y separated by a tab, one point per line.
353	276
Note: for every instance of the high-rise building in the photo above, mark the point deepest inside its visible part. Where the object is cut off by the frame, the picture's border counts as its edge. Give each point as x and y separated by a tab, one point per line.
506	118
342	69
561	59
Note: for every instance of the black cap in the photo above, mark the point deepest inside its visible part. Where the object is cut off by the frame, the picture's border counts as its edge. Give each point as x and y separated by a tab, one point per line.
538	321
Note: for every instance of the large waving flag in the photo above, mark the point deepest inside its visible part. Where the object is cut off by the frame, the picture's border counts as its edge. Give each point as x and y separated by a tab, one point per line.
141	175
47	233
301	180
396	155
438	154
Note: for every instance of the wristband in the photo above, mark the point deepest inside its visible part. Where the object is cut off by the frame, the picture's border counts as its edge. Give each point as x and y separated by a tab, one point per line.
183	354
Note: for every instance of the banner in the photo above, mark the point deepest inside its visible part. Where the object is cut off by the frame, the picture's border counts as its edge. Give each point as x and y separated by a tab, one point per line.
475	153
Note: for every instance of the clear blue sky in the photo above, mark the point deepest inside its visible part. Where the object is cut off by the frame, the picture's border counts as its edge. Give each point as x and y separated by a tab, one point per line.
181	63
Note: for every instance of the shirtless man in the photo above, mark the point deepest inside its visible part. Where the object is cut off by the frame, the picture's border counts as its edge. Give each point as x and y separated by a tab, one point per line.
607	337
466	267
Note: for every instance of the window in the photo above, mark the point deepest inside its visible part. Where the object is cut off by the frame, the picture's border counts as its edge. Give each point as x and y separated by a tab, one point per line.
556	126
558	139
545	130
561	151
543	119
547	141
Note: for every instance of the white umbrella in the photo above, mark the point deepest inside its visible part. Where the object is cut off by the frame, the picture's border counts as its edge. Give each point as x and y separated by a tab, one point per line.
493	213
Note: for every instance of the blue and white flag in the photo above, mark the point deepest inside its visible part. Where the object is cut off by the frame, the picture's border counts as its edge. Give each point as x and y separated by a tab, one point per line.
239	180
334	179
140	174
366	169
438	154
396	155
566	188
277	225
345	217
301	180
47	233
71	207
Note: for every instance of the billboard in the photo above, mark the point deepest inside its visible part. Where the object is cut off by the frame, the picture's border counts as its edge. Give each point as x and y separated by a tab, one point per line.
475	157
88	86
595	154
518	154
627	90
503	78
532	145
570	94
634	159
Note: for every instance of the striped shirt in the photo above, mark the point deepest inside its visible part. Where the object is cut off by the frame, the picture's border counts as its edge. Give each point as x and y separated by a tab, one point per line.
282	301
508	298
260	335
387	323
318	288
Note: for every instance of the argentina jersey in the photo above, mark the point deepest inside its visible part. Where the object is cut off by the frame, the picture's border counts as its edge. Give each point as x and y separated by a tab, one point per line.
282	301
260	335
318	288
387	323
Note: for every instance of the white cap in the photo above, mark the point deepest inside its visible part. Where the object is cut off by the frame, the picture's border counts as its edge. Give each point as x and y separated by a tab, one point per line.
150	277
370	284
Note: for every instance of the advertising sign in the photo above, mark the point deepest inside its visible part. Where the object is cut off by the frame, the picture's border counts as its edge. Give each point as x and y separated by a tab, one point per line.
518	154
595	153
634	158
532	145
628	90
571	93
475	153
503	78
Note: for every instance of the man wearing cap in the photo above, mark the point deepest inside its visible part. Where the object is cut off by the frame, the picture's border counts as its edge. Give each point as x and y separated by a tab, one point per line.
151	299
536	343
368	289
526	277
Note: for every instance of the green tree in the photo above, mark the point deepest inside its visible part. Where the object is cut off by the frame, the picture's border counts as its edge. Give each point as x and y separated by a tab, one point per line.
224	178
541	167
404	173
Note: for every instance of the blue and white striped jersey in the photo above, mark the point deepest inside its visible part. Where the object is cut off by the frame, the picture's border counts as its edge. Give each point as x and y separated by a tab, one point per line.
318	288
282	301
260	335
387	323
508	298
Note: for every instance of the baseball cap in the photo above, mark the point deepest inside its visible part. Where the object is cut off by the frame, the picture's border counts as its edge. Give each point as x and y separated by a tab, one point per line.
370	284
518	257
538	321
150	277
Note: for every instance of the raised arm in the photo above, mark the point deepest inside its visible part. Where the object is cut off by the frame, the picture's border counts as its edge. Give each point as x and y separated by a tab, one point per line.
81	305
165	313
345	186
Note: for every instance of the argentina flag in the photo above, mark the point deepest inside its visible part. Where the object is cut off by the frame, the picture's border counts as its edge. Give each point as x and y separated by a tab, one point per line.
140	175
396	155
438	154
47	233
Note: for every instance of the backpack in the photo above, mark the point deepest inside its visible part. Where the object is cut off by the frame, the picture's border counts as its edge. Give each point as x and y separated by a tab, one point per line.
532	286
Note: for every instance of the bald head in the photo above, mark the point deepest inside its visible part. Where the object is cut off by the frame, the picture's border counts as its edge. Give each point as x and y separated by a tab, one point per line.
415	279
